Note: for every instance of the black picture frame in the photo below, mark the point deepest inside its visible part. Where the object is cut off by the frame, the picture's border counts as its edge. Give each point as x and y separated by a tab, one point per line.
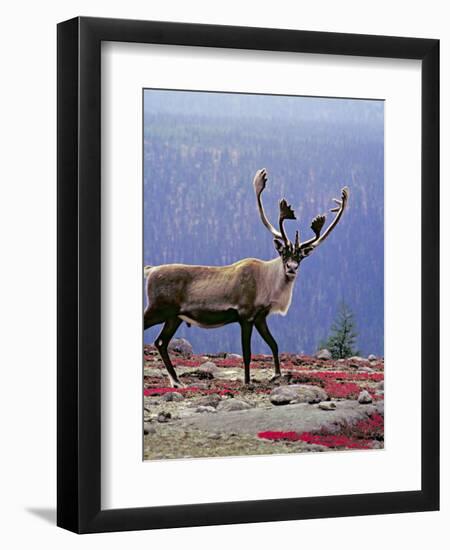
79	280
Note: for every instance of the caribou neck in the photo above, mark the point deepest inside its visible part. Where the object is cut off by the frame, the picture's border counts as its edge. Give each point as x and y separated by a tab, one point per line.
278	288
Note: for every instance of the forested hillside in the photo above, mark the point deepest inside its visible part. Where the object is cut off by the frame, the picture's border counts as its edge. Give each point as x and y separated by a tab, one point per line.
201	151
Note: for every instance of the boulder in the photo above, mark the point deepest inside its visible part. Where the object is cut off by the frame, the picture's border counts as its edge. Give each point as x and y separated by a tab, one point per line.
323	354
358	358
327	405
205	409
364	397
164	417
234	356
172	396
297	393
210	368
233	405
149	429
182	346
211	400
365	369
199	374
372	357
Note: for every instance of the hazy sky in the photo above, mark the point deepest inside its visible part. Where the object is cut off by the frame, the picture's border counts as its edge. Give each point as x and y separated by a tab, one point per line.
232	105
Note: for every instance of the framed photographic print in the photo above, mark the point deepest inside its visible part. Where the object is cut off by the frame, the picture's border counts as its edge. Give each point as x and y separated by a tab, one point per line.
248	255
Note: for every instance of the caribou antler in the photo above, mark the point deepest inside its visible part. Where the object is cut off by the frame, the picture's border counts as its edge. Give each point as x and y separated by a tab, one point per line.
319	221
317	224
259	184
286	213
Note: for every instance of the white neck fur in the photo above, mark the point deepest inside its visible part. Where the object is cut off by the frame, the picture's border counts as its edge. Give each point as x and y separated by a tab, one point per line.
276	291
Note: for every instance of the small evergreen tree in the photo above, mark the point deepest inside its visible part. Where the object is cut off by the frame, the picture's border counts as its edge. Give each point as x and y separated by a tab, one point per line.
343	336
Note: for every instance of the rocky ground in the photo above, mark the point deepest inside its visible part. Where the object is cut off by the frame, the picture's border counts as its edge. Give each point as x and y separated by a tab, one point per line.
319	404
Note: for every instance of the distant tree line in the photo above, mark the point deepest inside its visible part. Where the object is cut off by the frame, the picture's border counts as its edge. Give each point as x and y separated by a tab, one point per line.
199	208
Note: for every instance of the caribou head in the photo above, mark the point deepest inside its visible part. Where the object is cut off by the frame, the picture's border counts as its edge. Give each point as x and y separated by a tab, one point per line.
293	253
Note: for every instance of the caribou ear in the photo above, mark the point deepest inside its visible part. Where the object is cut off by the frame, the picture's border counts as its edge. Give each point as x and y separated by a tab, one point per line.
279	245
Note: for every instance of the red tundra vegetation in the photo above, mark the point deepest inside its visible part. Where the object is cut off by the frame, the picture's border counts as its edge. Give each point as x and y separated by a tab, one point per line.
359	436
340	379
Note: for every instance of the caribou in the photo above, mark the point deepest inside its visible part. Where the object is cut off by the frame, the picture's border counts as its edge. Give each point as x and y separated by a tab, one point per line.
245	292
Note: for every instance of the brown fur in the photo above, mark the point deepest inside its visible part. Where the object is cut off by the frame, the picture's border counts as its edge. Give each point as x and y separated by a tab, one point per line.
208	295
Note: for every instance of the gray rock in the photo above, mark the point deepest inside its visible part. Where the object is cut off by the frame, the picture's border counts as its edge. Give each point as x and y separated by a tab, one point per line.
372	357
181	345
297	393
164	417
210	368
323	354
358	358
211	400
233	405
380	385
231	375
364	397
149	429
198	374
205	409
366	369
233	356
327	405
172	396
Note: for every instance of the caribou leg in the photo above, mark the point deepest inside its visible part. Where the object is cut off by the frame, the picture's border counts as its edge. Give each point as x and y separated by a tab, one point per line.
152	317
246	337
263	329
161	343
